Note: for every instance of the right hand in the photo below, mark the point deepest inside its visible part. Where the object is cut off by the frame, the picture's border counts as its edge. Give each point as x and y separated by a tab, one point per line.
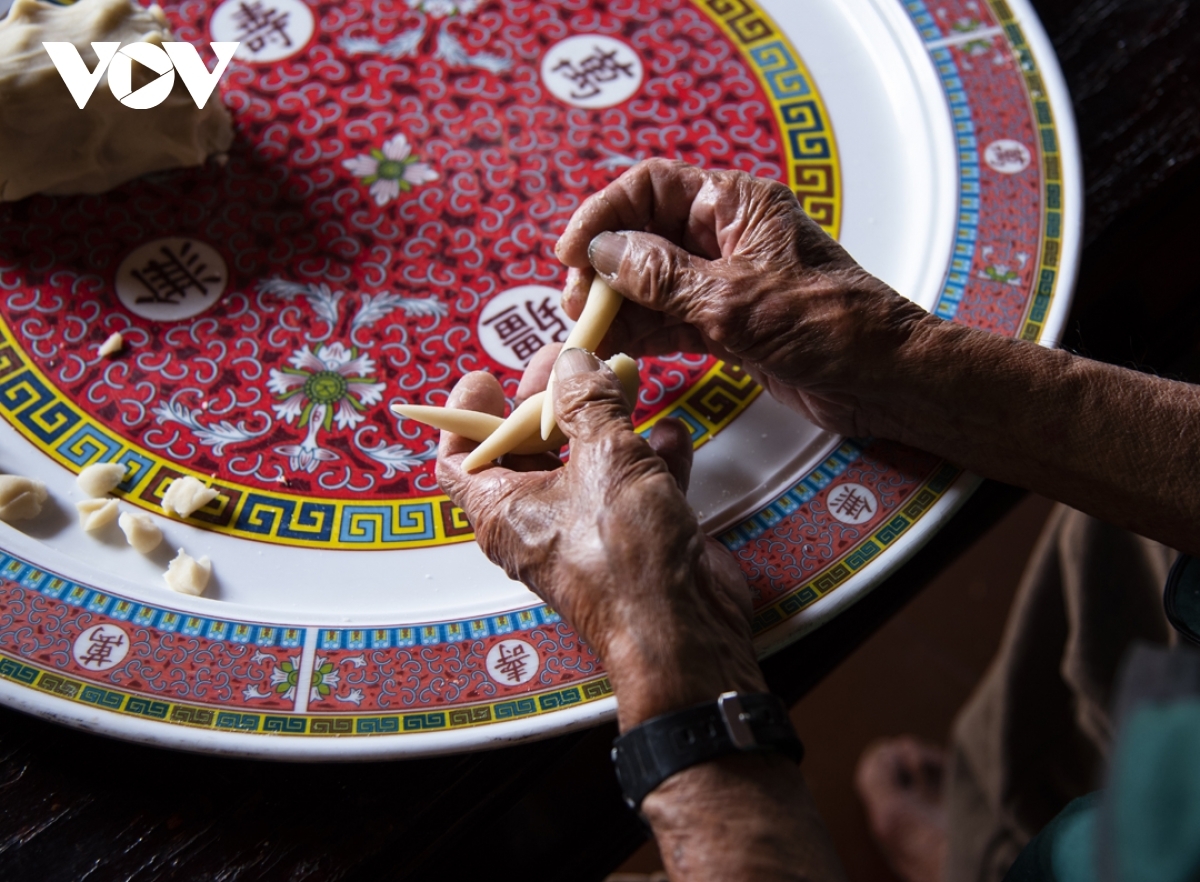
729	264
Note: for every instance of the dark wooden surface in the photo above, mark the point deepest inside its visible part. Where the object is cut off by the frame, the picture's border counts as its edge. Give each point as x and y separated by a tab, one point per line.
75	806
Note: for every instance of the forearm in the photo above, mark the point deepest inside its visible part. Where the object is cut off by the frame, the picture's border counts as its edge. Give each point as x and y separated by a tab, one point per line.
741	818
609	541
746	816
1117	444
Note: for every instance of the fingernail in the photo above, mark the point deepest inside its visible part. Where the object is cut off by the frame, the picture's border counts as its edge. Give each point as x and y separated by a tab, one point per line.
605	252
575	361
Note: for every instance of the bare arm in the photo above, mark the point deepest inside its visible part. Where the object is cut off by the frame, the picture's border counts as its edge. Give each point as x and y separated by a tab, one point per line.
610	542
726	263
741	818
1117	444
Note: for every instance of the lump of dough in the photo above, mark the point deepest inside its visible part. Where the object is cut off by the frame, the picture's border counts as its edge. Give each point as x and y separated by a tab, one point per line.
100	478
21	498
140	531
187	575
49	145
114	344
186	495
96	513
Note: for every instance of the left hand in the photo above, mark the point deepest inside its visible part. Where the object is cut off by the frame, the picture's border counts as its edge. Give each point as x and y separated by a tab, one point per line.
608	540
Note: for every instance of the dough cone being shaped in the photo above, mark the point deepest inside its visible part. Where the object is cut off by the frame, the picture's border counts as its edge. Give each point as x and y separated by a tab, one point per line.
49	145
520	433
601	308
473	425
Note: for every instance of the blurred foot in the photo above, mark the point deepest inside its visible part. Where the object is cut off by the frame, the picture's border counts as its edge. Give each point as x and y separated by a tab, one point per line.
900	784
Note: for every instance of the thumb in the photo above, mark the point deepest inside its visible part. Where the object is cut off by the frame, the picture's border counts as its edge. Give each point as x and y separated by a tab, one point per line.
589	403
652	271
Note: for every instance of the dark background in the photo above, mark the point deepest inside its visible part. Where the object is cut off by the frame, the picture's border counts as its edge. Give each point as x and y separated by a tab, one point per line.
75	806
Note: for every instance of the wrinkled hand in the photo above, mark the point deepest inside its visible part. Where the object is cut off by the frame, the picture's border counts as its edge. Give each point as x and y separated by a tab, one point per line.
609	540
726	263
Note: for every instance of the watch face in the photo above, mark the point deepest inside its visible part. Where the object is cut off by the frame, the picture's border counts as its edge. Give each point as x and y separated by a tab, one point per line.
1181	597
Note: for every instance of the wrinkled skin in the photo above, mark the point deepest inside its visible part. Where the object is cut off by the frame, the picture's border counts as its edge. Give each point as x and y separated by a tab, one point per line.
716	262
608	538
610	541
723	263
729	264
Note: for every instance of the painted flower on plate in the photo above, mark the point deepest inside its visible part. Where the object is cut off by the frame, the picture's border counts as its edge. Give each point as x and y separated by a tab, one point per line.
390	170
329	386
325	679
284	678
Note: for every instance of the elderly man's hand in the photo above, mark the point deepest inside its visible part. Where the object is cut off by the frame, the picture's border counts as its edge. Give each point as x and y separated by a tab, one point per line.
609	541
722	262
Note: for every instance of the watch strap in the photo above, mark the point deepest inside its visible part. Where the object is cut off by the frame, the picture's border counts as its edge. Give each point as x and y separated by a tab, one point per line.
660	747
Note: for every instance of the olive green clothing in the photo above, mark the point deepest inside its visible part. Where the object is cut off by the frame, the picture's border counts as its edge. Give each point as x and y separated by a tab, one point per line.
1036	734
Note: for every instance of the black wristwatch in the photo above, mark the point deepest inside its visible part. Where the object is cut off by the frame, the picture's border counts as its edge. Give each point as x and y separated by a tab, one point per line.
658	748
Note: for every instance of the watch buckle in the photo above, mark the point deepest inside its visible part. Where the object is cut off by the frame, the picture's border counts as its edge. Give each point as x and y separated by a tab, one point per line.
729	706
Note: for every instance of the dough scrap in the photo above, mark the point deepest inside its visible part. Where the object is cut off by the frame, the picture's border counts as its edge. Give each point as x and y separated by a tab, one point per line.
21	498
114	344
140	531
188	575
100	478
186	495
96	513
49	145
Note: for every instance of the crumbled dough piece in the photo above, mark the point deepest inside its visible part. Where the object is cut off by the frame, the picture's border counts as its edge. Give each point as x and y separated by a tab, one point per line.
49	145
187	575
140	531
187	495
21	498
96	513
114	344
100	478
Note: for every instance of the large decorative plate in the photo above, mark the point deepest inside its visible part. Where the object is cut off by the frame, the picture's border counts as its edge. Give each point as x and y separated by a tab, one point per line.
385	223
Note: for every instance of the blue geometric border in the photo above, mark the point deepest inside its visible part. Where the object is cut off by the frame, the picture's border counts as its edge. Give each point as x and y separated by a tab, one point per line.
967	227
71	593
794	497
28	576
435	633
